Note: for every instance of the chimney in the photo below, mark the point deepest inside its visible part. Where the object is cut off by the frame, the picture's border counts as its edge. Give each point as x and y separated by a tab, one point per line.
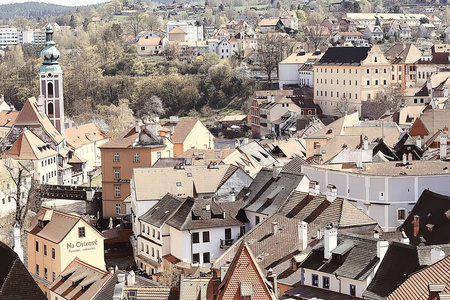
419	142
121	277
136	126
443	146
274	228
366	143
404	45
17	244
131	278
272	278
409	158
111	270
314	188
331	192
436	255
382	247
330	240
302	235
157	120
404	159
208	207
359	155
376	234
274	171
404	239
416	225
232	195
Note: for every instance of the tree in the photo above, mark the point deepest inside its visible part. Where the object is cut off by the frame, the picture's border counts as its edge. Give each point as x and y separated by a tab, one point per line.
170	275
119	118
316	36
19	172
72	22
343	107
271	49
424	20
389	98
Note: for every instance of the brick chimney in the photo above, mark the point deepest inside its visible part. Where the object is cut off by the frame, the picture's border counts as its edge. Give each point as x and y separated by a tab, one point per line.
416	225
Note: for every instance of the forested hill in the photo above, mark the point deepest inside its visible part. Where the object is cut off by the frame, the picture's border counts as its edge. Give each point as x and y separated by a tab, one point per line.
33	10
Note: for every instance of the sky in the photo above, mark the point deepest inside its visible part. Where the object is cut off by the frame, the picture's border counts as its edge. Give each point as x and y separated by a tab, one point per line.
61	2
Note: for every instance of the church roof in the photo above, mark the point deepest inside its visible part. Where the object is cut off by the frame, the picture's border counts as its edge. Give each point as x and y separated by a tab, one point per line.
29	115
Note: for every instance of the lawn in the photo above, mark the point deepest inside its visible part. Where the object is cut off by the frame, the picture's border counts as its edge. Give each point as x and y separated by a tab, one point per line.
96	181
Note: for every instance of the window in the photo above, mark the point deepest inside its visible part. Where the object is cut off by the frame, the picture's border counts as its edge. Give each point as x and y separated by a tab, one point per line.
53	253
401	214
196	258
368	82
256	220
421	100
50	109
228	233
81	232
326	282
153	232
384	82
352	290
384	71
367	71
136	157
50	89
37	269
376	71
45	273
159	235
153	252
158	155
206	258
45	250
37	246
375	59
315	280
116	156
116	174
195	238
117	191
118	208
146	249
205	236
376	82
53	276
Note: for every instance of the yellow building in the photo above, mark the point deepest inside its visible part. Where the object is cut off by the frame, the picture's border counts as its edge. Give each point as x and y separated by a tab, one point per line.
346	76
55	239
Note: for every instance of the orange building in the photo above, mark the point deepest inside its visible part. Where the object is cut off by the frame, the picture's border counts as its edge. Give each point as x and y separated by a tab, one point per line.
55	239
139	146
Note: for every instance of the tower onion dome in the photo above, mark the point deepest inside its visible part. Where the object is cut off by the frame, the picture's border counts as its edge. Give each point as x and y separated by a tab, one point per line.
50	54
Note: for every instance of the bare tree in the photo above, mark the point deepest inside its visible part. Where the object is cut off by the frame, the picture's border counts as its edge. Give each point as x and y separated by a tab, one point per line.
272	49
343	107
170	275
316	36
19	172
390	98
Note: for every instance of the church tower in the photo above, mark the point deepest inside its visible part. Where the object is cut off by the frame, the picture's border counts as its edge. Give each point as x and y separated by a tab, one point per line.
51	99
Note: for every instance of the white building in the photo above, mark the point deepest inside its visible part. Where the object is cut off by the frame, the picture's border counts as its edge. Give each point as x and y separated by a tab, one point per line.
8	36
193	29
385	191
373	33
289	69
193	231
369	19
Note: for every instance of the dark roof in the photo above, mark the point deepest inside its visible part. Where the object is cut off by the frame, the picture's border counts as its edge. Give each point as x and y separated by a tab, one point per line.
312	293
194	214
319	210
344	56
266	194
438	58
356	264
431	209
162	210
15	281
400	261
294	166
165	162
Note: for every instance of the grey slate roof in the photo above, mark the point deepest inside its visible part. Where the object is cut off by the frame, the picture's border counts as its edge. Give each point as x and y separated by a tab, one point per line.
262	156
431	208
193	214
319	210
15	280
267	194
399	262
162	210
357	264
294	166
344	56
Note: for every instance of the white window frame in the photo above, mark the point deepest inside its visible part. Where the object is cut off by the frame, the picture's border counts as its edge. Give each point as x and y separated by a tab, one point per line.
116	174
116	156
136	157
118	210
117	191
398	210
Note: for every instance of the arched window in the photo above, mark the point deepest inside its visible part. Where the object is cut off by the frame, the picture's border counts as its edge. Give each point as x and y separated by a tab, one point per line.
50	110
50	89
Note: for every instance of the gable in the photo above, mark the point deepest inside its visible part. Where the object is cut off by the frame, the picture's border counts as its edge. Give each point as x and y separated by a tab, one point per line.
419	129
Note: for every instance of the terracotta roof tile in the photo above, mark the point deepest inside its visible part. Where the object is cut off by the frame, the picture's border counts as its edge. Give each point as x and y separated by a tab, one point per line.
78	136
29	147
8	117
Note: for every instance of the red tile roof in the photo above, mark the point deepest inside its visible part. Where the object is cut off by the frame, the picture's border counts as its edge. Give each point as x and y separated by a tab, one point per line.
8	117
84	134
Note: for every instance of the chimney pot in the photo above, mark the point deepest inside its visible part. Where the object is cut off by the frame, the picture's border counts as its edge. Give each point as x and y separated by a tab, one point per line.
331	192
410	158
302	235
314	188
274	228
274	171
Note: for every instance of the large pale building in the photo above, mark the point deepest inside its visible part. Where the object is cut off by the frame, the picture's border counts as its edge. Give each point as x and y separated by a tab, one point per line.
346	76
55	239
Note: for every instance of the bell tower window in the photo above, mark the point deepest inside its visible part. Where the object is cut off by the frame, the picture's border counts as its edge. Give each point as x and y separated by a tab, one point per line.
50	110
50	89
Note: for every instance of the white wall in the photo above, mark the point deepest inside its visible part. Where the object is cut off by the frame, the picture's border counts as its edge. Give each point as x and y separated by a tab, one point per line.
385	194
288	74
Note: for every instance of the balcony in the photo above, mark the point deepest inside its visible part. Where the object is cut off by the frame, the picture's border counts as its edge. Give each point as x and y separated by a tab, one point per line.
225	244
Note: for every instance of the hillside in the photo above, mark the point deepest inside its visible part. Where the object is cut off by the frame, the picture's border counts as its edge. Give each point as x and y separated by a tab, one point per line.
33	10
